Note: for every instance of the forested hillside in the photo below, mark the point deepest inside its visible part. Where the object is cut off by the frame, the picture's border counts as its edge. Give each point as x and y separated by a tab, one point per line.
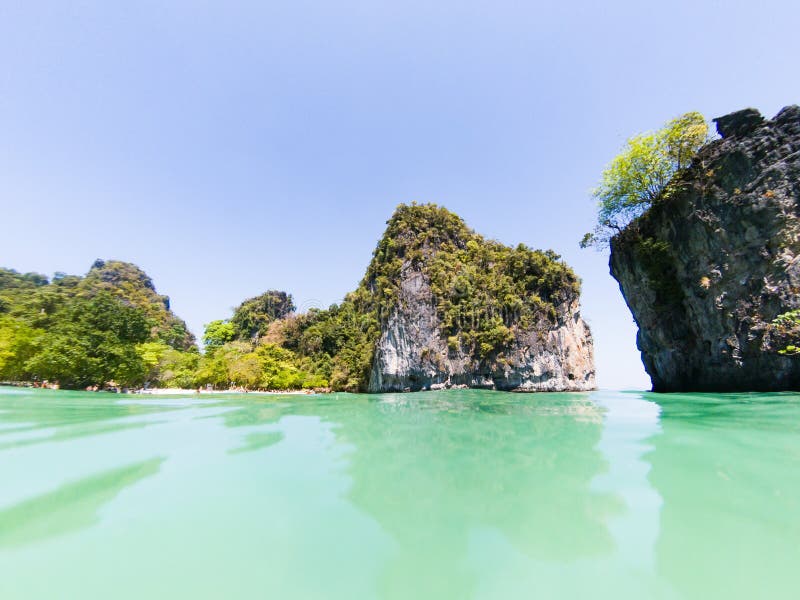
111	327
108	326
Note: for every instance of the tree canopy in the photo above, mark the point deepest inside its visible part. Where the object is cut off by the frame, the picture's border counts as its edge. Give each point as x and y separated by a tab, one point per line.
641	173
217	333
253	316
110	326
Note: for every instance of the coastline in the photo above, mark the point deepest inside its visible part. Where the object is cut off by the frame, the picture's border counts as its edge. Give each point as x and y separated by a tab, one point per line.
185	392
169	391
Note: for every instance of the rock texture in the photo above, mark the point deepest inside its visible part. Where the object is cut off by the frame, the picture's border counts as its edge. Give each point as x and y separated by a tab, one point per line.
412	355
553	352
707	269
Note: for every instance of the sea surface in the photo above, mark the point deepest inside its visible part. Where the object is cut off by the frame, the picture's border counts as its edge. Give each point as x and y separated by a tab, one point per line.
456	494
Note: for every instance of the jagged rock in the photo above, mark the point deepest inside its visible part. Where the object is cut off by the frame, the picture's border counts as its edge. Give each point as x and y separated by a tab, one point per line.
551	352
708	268
740	122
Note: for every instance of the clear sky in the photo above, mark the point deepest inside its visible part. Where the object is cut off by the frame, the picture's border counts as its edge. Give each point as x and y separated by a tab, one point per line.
232	147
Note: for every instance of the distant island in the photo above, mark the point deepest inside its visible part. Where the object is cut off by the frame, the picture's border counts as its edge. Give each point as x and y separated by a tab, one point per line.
439	307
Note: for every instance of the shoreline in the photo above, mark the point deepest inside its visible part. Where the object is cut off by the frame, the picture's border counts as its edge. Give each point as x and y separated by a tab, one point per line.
168	391
184	392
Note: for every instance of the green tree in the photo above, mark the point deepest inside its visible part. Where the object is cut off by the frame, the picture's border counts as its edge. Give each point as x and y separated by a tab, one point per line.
233	363
640	174
168	366
129	283
18	343
212	370
88	330
279	369
218	333
178	368
93	342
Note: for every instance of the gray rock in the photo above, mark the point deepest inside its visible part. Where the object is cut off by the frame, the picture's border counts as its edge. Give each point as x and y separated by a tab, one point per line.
412	355
740	122
706	270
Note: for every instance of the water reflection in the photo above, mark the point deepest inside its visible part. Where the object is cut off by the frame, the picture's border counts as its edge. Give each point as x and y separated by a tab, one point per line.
434	471
258	441
728	470
71	507
38	416
429	495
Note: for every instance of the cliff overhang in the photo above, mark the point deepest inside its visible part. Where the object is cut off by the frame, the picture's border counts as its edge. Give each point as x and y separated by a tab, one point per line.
709	266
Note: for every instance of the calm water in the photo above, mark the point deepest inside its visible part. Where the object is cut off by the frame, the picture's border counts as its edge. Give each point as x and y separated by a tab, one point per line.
435	495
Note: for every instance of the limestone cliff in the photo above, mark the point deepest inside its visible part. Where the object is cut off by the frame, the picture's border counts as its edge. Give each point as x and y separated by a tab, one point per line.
709	266
458	310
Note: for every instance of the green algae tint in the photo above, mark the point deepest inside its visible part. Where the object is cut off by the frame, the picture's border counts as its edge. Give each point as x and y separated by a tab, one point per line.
459	494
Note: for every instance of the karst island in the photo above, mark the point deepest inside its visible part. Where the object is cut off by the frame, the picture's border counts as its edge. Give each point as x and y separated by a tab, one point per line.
399	300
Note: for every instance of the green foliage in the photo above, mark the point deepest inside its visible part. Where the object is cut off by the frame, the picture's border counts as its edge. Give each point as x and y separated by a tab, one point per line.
168	367
339	343
640	174
230	364
253	316
177	369
18	343
483	289
129	283
11	279
267	366
110	326
787	327
277	367
218	333
93	342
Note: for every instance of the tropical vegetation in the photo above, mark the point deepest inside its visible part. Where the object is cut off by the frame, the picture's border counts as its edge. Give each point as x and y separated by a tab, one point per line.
641	174
482	288
111	327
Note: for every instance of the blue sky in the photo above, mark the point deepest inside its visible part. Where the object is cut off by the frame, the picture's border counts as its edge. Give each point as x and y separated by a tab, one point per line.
232	147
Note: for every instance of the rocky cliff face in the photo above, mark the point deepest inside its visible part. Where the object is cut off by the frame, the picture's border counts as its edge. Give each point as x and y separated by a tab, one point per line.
412	354
464	312
707	269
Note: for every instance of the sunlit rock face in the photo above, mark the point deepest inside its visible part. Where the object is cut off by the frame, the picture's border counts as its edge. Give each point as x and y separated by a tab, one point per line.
547	345
412	354
706	270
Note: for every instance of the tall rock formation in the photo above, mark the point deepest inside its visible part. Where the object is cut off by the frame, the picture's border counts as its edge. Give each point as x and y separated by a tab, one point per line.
458	310
707	268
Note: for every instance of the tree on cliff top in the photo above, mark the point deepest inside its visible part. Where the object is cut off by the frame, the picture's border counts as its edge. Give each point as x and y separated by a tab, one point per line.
641	173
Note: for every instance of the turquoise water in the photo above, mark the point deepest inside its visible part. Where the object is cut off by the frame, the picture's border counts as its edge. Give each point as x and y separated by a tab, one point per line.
459	494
